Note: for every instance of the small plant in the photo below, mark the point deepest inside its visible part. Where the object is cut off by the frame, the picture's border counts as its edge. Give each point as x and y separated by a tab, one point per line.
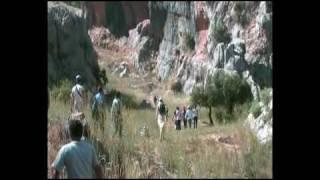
255	109
265	95
189	41
257	159
176	86
103	77
62	91
220	32
126	99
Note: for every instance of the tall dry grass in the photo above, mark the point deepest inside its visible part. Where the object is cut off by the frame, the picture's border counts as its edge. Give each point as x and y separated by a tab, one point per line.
189	153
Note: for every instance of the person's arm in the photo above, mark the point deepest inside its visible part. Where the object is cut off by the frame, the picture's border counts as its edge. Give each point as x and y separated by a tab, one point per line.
98	171
55	174
58	163
71	101
96	166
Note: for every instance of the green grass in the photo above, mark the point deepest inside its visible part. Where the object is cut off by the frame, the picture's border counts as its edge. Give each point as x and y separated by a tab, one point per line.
183	154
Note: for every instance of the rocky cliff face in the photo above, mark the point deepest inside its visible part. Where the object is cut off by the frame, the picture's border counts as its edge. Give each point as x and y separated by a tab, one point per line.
118	17
235	36
70	51
190	41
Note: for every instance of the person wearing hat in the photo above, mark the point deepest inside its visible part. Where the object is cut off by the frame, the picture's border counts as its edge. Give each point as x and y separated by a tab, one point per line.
161	116
189	116
77	96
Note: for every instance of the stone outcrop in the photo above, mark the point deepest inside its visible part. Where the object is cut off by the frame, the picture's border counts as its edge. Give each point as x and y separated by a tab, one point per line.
70	51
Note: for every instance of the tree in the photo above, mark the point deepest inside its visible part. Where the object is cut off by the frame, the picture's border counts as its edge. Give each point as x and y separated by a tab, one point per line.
223	91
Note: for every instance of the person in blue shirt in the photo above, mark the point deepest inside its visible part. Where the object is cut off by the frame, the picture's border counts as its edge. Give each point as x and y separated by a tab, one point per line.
78	157
99	109
189	116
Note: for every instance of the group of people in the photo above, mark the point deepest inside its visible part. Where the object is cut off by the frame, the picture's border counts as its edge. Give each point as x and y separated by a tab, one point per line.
187	116
79	156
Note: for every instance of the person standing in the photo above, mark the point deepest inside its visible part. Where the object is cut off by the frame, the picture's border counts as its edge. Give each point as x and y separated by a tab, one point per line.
78	96
189	116
184	117
161	116
99	108
195	117
116	115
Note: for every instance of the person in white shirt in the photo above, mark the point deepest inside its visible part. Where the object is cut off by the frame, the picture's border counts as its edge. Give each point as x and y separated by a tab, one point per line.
116	116
78	96
161	115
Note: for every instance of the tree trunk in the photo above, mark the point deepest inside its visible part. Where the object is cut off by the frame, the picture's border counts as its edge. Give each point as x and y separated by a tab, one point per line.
210	118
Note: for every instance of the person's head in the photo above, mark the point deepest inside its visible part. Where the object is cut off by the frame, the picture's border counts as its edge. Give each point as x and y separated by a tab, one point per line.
177	108
189	107
160	100
117	94
100	90
75	129
78	79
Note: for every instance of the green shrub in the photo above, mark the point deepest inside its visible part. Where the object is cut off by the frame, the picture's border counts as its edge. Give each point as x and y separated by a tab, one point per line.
258	160
127	100
73	3
220	32
222	91
62	91
189	41
255	109
265	95
176	86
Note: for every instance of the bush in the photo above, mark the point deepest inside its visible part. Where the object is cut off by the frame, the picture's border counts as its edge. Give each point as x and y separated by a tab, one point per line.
176	86
265	95
103	77
127	100
228	90
223	91
258	160
220	32
189	41
62	91
73	3
255	109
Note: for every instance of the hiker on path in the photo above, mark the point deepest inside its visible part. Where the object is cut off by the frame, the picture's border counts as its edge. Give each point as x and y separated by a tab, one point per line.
116	116
184	117
161	116
99	108
195	117
78	96
189	116
155	100
178	118
79	157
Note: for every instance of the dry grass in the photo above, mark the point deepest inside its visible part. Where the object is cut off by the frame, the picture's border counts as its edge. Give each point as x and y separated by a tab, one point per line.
189	153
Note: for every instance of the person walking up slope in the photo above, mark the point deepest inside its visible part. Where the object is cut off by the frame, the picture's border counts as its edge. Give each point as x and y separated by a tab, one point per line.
161	116
116	115
189	116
